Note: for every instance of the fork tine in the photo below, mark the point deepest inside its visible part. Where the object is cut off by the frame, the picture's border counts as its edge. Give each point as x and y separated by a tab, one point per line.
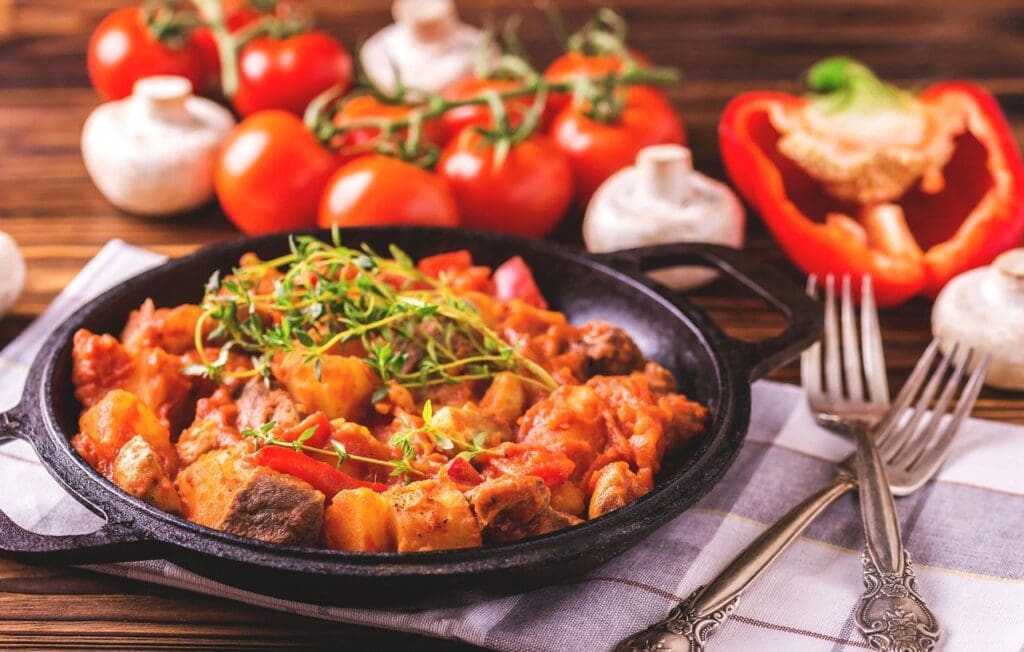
851	350
830	339
885	428
898	447
810	360
928	463
916	440
871	346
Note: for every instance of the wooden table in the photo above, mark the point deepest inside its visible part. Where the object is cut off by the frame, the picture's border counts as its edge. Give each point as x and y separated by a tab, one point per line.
724	46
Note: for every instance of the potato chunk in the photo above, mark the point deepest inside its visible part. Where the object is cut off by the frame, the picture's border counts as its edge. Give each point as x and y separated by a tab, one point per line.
225	491
171	329
342	391
110	423
359	520
432	515
138	470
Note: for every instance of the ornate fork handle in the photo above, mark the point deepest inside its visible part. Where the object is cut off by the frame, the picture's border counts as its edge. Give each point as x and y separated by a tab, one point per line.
688	626
891	614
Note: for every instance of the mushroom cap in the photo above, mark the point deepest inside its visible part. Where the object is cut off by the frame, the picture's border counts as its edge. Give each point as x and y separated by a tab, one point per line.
984	308
12	272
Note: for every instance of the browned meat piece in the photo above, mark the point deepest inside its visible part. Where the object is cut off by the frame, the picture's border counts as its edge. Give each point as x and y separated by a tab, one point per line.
224	491
615	486
659	378
513	507
203	436
139	471
259	404
608	350
101	363
172	329
432	515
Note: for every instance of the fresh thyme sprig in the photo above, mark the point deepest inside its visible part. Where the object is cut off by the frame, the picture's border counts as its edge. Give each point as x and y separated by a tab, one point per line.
415	330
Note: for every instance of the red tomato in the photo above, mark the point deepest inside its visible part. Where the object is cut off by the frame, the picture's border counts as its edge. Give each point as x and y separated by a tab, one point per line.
527	195
378	190
597	150
514	280
288	73
122	50
479	115
271	172
367	107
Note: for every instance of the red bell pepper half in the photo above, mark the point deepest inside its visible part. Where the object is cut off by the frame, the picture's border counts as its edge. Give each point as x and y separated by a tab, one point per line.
324	477
864	178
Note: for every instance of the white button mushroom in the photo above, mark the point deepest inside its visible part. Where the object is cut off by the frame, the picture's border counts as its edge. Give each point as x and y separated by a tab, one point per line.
663	199
154	153
984	308
12	273
427	44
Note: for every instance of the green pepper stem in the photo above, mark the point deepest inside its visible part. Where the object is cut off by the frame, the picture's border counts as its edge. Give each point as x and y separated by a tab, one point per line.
844	84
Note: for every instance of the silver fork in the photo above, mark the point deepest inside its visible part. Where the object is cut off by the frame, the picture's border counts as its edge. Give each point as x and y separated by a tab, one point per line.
912	448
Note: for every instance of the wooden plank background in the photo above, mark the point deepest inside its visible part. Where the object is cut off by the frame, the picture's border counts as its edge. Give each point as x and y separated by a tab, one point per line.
723	47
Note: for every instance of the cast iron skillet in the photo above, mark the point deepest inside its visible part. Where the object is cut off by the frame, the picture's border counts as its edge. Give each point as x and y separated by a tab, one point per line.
711	368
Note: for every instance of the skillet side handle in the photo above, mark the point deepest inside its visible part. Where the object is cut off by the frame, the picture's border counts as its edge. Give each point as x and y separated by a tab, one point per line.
113	541
756	359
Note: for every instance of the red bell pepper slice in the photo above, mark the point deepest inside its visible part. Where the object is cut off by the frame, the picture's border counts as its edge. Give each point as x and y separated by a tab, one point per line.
914	243
461	472
452	261
323	477
514	280
321	435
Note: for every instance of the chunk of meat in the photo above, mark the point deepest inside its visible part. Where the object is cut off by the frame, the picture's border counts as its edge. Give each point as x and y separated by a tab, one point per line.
108	425
343	389
171	329
570	421
607	350
359	520
432	515
259	404
139	471
224	491
513	507
615	486
612	418
203	436
100	363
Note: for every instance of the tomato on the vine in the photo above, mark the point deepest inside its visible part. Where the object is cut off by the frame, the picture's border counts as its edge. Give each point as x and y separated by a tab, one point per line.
237	14
458	118
124	49
367	107
288	73
596	150
380	190
527	193
271	173
574	65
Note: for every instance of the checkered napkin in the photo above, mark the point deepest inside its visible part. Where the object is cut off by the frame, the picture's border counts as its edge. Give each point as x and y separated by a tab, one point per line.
964	531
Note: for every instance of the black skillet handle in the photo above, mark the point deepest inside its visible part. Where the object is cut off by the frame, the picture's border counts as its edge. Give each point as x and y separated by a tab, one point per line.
755	358
115	540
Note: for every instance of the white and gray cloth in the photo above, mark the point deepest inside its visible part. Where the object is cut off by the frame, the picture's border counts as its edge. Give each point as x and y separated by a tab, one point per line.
964	531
